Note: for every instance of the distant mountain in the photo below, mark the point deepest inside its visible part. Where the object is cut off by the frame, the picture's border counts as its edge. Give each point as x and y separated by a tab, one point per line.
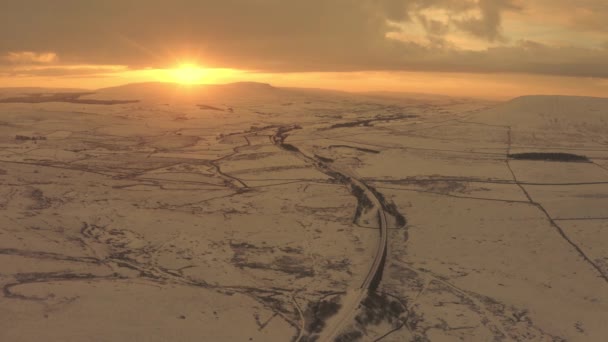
549	112
410	95
173	92
162	86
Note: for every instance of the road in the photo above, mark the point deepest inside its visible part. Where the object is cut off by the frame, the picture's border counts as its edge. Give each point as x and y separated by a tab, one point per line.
354	296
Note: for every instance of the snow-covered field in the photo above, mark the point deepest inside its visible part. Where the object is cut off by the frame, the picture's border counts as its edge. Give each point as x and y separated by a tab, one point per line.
251	213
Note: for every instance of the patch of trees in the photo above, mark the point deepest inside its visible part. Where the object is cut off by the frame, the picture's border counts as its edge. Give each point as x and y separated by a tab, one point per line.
25	137
550	156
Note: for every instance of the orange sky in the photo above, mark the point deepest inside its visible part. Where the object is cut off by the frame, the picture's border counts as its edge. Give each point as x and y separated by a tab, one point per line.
494	86
483	48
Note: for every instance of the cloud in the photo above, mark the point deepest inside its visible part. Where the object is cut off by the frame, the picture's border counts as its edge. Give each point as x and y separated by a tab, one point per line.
62	71
582	15
530	57
291	36
29	57
488	25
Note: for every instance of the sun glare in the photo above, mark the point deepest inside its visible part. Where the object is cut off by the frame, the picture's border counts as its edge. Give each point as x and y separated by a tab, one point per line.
188	74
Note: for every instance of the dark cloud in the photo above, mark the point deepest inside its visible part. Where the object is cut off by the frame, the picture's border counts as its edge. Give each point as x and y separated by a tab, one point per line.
279	35
433	27
583	15
268	33
531	58
489	24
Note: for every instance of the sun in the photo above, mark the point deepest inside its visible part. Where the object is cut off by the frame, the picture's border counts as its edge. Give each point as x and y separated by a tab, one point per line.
191	74
188	74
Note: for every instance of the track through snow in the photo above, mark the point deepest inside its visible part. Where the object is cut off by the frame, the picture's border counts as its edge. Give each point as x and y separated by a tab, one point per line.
354	296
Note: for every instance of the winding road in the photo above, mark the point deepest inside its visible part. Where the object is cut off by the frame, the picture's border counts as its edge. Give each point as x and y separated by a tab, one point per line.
354	296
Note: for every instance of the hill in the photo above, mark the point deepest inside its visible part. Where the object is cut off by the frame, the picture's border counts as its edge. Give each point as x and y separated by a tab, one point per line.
548	111
172	92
